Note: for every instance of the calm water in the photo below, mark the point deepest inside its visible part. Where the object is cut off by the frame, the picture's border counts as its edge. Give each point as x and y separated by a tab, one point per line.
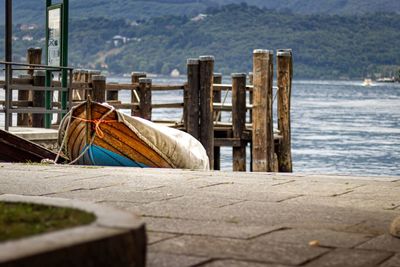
337	127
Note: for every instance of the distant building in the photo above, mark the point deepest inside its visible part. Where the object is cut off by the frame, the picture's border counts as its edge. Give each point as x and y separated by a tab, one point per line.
199	17
28	27
27	38
119	40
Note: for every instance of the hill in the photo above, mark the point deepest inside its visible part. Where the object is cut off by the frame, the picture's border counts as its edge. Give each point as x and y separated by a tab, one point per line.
324	46
32	11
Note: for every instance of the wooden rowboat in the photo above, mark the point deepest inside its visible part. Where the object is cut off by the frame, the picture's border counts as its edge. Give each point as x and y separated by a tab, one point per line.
17	149
97	134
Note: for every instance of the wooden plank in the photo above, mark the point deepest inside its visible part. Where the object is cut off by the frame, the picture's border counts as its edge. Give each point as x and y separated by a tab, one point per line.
135	86
206	67
192	102
226	106
239	120
284	76
227	142
217	117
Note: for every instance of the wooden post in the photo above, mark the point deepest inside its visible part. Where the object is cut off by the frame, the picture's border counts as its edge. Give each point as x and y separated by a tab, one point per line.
239	119
206	67
284	76
251	117
217	117
192	102
145	98
33	56
135	94
98	88
24	119
75	75
263	137
92	73
39	79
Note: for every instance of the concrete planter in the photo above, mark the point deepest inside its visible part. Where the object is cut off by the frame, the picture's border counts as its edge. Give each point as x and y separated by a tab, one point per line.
116	238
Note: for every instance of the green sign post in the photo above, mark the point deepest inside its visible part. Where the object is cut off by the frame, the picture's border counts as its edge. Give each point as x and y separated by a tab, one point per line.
56	49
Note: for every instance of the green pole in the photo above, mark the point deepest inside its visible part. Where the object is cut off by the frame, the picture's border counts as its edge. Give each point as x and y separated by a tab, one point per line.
47	117
64	52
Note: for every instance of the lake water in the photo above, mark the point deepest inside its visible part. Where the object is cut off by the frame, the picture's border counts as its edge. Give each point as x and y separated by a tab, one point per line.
337	127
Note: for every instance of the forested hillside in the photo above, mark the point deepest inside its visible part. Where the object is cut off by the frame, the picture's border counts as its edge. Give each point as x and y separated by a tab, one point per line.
324	46
33	10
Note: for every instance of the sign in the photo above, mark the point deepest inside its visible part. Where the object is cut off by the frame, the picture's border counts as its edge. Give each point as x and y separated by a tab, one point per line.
54	36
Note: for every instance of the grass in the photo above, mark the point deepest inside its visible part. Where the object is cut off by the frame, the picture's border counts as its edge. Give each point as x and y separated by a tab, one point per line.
18	220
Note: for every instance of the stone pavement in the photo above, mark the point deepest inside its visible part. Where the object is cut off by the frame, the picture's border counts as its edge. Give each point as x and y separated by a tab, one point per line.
236	219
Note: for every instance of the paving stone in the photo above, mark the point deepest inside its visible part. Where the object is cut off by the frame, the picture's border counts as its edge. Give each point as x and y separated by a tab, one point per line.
235	263
350	258
317	188
326	238
349	201
247	192
154	237
285	213
116	193
207	228
157	259
282	253
202	200
384	242
392	262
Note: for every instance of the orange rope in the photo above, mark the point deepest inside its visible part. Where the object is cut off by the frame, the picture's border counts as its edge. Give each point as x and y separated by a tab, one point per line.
97	123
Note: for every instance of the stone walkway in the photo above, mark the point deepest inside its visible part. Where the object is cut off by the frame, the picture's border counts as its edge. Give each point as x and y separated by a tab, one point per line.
236	219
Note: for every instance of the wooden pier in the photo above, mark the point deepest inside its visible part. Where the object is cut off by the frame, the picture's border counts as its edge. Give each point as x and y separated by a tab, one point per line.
251	109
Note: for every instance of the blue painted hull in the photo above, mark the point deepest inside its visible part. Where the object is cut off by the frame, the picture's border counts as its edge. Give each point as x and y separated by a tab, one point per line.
100	156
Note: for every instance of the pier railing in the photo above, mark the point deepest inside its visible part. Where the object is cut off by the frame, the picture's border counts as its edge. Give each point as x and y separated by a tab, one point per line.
37	83
204	99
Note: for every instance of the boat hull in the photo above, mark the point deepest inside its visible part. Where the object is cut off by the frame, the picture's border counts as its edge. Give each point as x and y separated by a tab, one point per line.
97	134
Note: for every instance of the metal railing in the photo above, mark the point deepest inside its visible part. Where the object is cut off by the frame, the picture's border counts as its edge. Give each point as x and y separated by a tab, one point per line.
9	86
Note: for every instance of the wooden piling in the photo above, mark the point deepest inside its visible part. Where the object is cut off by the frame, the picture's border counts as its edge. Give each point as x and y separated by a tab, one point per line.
263	137
39	79
251	117
206	67
33	56
217	117
135	94
24	119
284	76
98	93
75	75
145	107
239	119
192	103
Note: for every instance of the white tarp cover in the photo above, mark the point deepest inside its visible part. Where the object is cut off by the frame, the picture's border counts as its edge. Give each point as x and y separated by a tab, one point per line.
180	149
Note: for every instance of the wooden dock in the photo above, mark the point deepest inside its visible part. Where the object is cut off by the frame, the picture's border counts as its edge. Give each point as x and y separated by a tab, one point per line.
251	109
